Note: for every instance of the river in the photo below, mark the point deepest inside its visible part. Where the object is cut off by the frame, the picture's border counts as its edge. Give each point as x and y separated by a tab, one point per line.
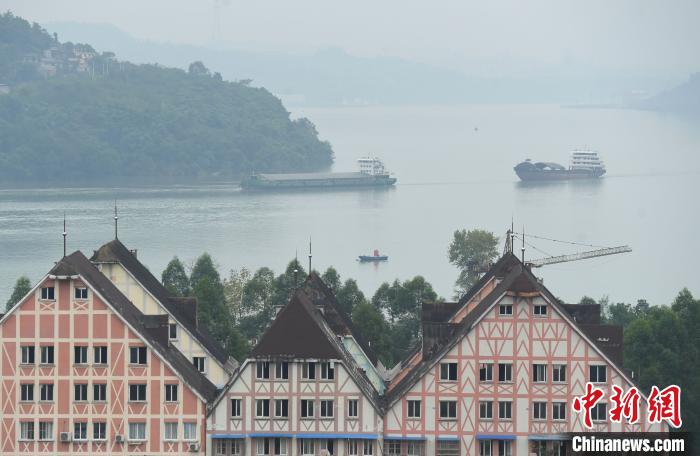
454	166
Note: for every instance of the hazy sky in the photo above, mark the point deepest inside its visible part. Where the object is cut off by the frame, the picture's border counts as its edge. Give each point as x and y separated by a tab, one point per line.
497	37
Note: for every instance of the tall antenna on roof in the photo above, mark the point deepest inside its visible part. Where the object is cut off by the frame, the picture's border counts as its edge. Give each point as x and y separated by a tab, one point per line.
309	254
65	233
522	249
116	221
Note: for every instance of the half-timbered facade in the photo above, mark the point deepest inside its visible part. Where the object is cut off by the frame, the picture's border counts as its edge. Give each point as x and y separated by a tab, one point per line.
302	391
123	268
85	371
498	371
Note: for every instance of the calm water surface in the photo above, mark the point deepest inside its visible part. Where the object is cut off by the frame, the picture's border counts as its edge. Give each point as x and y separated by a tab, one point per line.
455	171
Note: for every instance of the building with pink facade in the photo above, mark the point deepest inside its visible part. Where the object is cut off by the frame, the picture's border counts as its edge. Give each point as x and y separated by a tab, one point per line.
85	371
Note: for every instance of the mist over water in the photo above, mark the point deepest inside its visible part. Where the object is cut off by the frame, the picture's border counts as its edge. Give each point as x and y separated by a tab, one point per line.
454	167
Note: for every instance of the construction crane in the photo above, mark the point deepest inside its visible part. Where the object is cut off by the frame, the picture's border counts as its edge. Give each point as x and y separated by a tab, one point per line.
600	251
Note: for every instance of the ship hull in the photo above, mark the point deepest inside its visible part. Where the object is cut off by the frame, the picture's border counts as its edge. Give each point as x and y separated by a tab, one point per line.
527	175
316	181
369	258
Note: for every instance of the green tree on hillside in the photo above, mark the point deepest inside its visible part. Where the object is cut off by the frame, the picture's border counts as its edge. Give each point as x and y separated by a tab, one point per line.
22	287
472	252
175	278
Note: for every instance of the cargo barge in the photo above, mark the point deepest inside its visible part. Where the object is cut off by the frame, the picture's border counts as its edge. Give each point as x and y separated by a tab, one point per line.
584	165
372	174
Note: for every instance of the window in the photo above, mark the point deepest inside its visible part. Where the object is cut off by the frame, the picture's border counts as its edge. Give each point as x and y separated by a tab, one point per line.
170	393
539	373
539	410
413	409
448	410
26	430
45	430
100	355
189	431
539	448
558	410
281	408
326	408
137	392
262	408
47	293
80	431
448	372
484	448
485	410
262	370
393	447
262	447
559	373
235	408
352	408
200	364
281	447
26	392
307	408
27	354
99	431
505	448
80	354
47	354
137	355
236	447
99	392
599	412
80	293
80	392
137	431
282	371
307	446
170	431
486	372
220	446
540	310
46	392
505	309
447	448
351	447
505	410
414	448
505	373
367	447
308	371
172	331
598	374
327	371
327	445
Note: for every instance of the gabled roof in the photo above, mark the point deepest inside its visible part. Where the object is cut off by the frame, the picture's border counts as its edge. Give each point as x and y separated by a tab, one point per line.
152	328
300	330
116	252
518	278
334	315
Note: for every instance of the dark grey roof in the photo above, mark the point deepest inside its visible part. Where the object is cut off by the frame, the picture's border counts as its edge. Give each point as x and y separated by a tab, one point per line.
181	309
518	278
151	328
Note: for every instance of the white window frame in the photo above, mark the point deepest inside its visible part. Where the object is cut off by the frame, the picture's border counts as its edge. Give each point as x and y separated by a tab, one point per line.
141	355
539	411
326	408
80	355
172	327
98	434
353	408
505	448
446	371
279	408
308	371
28	355
351	447
558	411
136	428
487	370
540	310
171	389
307	446
367	447
95	389
45	429
506	407
80	293
100	355
26	431
189	431
558	371
601	408
598	369
139	388
261	408
282	370
411	405
80	431
449	416
539	369
82	388
305	406
44	390
48	293
485	448
507	369
168	428
197	360
26	392
236	407
262	370
486	410
327	371
47	350
505	310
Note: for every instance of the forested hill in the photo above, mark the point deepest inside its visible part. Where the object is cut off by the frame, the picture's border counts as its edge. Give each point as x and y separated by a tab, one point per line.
683	99
73	113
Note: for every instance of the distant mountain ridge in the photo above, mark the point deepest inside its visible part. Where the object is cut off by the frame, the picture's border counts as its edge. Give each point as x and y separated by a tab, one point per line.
332	77
683	99
73	113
